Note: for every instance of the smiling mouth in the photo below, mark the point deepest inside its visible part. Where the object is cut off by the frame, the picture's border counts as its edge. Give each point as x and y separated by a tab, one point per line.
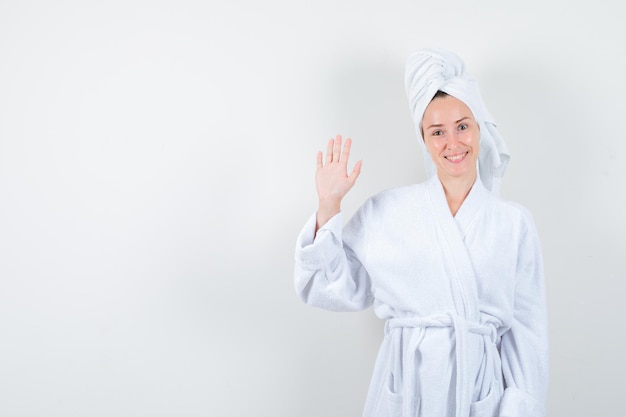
457	157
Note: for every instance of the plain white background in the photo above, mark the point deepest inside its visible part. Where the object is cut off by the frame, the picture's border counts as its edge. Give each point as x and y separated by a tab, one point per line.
156	165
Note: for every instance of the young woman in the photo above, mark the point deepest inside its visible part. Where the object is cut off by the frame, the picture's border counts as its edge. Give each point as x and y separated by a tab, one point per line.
454	269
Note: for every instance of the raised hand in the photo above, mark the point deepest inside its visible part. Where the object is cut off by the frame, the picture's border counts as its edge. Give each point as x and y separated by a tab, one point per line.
332	179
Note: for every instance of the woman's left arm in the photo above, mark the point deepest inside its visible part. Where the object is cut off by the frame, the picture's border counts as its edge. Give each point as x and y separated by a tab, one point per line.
524	347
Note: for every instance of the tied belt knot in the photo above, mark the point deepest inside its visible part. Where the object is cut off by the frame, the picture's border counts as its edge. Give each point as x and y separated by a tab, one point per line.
462	327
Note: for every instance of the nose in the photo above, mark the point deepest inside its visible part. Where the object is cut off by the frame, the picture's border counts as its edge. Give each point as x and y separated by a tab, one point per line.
453	141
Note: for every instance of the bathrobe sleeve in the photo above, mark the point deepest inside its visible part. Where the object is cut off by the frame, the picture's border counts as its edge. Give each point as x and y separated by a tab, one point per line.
524	347
329	272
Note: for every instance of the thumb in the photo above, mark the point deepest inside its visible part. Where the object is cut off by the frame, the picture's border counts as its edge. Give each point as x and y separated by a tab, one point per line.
356	171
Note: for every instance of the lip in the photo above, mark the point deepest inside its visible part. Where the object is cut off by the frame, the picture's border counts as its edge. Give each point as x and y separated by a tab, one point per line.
456	158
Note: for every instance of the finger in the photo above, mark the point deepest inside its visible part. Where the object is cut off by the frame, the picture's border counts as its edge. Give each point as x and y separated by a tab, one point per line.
337	149
329	151
319	159
345	155
355	172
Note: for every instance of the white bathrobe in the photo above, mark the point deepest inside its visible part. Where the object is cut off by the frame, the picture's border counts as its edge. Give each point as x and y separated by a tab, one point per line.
463	296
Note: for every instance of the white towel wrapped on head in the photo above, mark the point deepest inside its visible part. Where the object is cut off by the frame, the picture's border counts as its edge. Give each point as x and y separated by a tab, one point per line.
434	69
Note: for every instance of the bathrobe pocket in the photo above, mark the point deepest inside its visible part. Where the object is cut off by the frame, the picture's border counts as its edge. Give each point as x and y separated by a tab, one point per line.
488	406
389	402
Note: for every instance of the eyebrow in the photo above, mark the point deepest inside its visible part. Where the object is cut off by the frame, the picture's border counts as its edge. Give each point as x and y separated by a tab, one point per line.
439	124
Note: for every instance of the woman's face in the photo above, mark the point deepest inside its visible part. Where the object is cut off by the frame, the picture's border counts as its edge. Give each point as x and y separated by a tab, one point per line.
452	137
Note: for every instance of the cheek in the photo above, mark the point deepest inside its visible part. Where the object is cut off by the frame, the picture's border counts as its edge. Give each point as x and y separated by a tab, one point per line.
471	139
475	144
434	145
476	141
432	149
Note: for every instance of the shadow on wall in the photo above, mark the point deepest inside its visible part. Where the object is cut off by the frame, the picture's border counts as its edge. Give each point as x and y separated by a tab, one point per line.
539	118
362	99
365	98
562	169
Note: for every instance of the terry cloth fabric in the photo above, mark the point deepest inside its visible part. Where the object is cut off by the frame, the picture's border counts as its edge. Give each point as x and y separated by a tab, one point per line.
432	69
466	332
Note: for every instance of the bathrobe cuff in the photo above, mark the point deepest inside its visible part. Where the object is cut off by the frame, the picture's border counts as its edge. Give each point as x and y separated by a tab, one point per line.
313	251
518	403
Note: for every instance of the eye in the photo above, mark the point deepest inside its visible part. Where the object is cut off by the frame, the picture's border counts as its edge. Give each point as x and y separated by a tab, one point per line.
437	133
463	126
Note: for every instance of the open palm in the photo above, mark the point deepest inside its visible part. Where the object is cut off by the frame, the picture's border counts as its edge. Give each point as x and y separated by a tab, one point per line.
332	179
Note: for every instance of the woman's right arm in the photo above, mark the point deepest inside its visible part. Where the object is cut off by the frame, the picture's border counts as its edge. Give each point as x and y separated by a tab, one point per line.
329	273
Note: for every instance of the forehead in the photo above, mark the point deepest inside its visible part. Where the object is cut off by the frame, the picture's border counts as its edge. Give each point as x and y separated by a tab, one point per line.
444	109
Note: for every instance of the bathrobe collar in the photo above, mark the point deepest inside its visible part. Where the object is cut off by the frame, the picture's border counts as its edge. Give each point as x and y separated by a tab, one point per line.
467	213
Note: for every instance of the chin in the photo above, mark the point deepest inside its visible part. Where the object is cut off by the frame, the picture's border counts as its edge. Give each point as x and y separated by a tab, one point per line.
459	173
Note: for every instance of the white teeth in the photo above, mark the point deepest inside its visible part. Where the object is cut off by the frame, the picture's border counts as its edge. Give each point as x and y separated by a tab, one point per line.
455	158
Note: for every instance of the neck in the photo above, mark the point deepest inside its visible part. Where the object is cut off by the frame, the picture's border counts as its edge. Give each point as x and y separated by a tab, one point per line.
456	190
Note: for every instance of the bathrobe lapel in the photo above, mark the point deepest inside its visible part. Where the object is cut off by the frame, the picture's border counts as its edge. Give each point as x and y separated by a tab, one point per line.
453	231
461	273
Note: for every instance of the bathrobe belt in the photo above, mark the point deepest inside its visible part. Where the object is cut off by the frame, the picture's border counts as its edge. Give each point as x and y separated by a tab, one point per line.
462	327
